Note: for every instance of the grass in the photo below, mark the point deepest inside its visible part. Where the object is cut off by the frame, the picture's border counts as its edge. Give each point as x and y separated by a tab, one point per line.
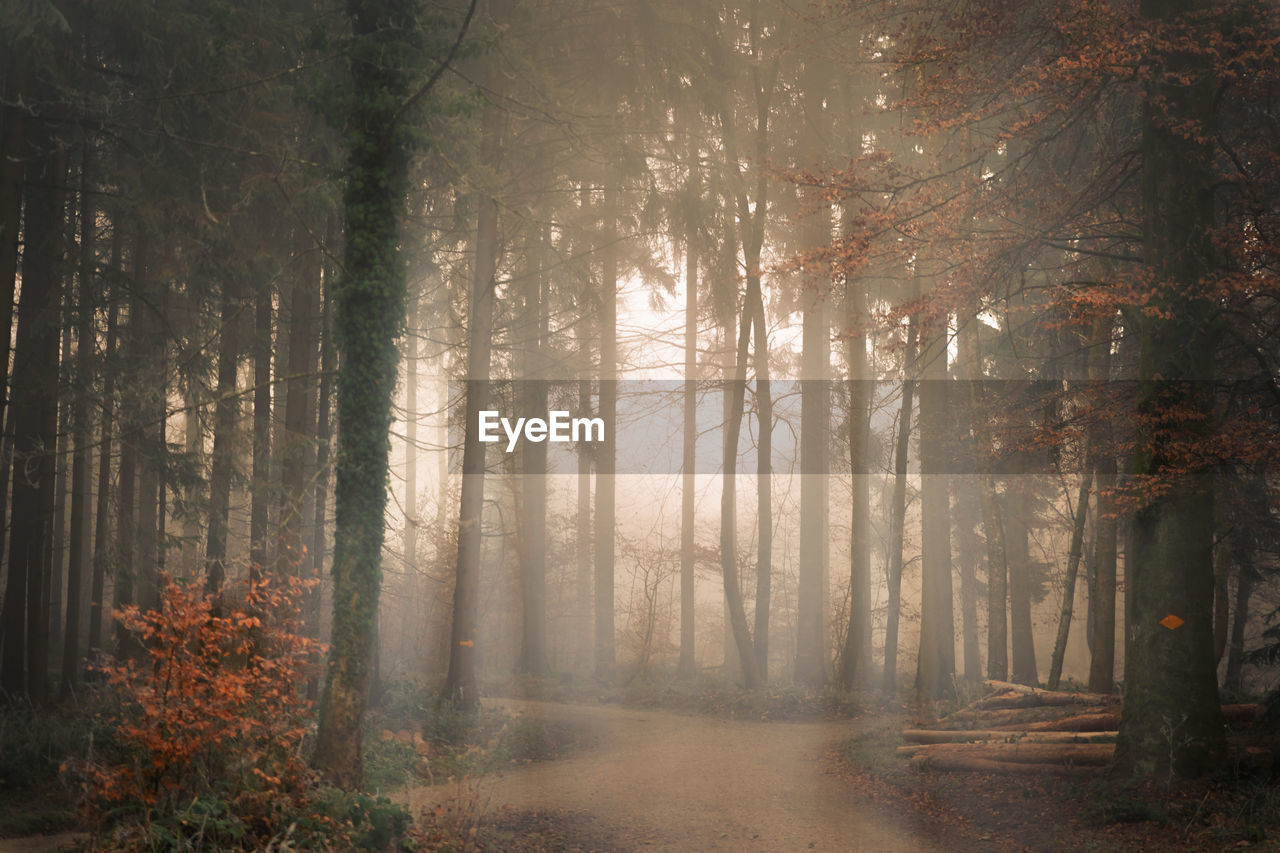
438	744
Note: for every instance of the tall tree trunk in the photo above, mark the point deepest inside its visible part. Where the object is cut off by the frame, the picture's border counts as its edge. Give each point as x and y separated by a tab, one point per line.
56	576
369	315
102	558
533	477
688	666
855	661
728	505
1102	606
815	418
411	417
260	478
24	666
1170	676
1021	632
989	502
764	476
226	413
299	405
937	662
146	332
605	653
12	157
81	434
582	518
1239	619
898	512
1222	564
1069	584
460	683
324	434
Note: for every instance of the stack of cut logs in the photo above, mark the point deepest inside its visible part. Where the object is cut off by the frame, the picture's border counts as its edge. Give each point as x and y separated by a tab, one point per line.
1026	730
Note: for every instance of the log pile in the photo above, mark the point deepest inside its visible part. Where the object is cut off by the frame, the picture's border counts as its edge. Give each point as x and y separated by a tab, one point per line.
1023	730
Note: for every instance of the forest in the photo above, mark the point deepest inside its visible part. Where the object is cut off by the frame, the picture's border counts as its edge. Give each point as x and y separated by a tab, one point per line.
408	401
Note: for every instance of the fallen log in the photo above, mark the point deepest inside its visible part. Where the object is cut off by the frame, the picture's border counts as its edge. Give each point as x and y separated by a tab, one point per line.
1009	687
1241	714
1095	721
1041	700
1100	721
1093	754
934	736
1001	716
985	765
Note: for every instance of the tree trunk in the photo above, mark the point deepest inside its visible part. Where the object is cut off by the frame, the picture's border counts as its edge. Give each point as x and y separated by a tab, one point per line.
369	314
1021	632
533	477
102	511
1235	651
411	418
988	501
1069	584
225	414
81	434
24	666
147	342
815	418
1102	606
728	507
260	478
855	661
582	518
605	654
687	666
764	478
56	576
1221	592
324	434
12	157
460	683
1171	722
898	512
937	663
299	405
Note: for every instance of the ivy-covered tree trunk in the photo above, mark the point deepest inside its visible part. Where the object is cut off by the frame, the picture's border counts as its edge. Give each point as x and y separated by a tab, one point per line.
369	315
1171	723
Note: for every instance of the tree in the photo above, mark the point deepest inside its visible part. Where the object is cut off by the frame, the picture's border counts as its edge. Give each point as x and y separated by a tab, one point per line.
369	303
1171	722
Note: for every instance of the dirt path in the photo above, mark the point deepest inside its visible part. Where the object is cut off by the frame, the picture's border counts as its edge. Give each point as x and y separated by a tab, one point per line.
662	781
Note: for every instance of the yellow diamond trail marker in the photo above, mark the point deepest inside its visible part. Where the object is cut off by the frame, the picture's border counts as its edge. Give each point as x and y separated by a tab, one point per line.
1172	622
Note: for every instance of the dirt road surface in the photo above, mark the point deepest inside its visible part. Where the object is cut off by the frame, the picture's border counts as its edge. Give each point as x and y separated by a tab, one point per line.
666	782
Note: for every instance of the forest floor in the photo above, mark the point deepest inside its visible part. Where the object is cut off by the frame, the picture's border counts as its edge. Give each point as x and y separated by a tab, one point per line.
649	779
712	778
657	780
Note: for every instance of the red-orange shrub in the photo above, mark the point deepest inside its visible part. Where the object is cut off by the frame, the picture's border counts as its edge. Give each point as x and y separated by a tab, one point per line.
214	709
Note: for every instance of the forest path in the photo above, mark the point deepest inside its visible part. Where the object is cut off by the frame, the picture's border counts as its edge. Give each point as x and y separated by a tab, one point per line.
663	781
